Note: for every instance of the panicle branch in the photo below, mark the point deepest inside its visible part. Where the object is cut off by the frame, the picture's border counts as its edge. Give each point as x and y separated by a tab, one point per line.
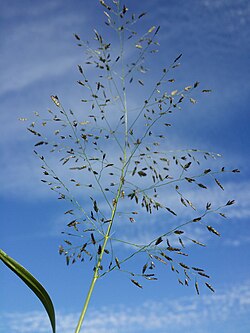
114	158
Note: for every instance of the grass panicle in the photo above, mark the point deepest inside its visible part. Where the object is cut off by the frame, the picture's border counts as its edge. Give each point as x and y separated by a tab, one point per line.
109	159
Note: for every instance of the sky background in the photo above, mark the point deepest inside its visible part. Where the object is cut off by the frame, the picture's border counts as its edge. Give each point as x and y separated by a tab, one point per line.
39	57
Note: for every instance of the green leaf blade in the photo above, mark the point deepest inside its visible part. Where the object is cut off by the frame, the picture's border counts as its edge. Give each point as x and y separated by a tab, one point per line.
33	284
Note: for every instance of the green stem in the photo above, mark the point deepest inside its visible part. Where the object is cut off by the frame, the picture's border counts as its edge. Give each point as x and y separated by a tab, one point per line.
115	202
79	325
97	267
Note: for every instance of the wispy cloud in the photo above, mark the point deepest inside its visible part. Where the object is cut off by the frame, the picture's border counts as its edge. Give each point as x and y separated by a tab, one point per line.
237	241
29	52
230	16
15	12
225	309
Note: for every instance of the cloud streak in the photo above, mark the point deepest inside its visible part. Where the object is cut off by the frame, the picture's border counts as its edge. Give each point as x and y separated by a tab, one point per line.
193	314
29	52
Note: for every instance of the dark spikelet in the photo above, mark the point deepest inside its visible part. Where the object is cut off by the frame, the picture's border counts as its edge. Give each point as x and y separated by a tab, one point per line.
203	274
157	30
141	15
190	180
178	232
77	37
158	241
197	288
142	173
209	287
93	239
202	185
183	202
117	263
80	69
160	259
208	206
105	5
83	247
183	265
186	166
211	229
165	256
73	223
170	248
61	250
40	143
171	211
188	277
144	268
197	219
180	282
179	56
136	283
219	184
70	211
198	243
182	254
198	269
151	278
181	242
33	132
95	206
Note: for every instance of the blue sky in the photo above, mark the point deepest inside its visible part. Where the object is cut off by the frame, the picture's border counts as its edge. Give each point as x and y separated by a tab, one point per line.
39	58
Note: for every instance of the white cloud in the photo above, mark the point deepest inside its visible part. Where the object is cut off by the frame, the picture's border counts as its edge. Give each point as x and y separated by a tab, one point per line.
33	49
237	241
17	10
231	16
227	309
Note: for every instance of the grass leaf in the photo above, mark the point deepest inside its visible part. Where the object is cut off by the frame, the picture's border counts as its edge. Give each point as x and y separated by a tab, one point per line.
33	284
